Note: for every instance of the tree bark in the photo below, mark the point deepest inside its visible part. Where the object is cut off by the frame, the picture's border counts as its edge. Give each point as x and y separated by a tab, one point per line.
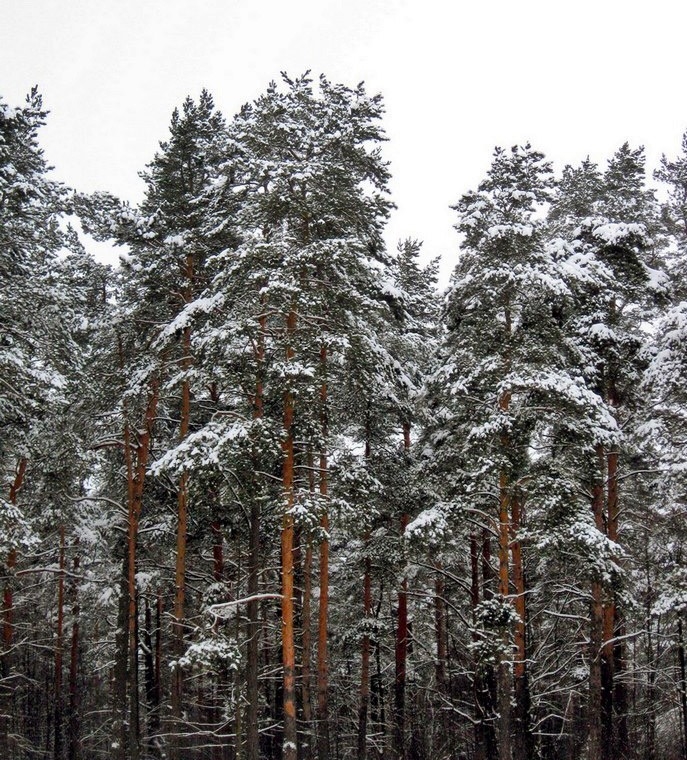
135	481
440	627
306	613
74	726
683	685
614	626
401	649
253	608
323	742
504	530
596	737
523	740
8	623
58	736
178	623
365	661
290	739
365	645
486	693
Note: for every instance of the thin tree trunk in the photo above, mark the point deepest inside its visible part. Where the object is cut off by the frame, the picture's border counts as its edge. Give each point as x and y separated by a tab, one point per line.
8	623
615	653
365	646
401	649
253	607
504	668
365	661
479	686
287	569
596	740
74	727
650	744
136	478
178	623
523	741
306	613
120	669
323	746
151	686
683	685
58	737
488	700
440	627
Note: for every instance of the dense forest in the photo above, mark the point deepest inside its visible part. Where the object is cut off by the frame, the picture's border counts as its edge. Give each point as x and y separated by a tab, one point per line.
266	493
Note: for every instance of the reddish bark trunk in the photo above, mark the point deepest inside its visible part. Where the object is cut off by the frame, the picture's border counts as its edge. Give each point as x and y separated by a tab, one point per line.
8	595
182	529
8	622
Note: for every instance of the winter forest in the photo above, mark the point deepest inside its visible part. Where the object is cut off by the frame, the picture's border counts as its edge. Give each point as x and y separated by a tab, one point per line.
267	493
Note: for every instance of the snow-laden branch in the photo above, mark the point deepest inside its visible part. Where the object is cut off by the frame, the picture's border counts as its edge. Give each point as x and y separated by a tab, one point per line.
226	609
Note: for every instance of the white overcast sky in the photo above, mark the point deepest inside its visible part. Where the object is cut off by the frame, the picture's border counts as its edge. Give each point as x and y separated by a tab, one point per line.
573	78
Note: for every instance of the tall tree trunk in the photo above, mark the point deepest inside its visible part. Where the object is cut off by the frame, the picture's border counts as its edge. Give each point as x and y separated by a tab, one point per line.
74	727
596	741
504	530
8	624
151	685
135	481
683	685
650	730
323	746
523	740
365	646
365	660
178	624
440	627
487	697
287	568
401	649
614	626
306	614
58	737
253	607
481	704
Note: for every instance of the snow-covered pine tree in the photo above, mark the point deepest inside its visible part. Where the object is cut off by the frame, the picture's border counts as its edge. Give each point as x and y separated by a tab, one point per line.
305	161
612	276
505	381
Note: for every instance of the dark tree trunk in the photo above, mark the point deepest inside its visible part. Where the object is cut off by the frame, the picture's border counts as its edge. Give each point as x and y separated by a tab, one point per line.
6	693
523	740
58	737
596	741
74	726
253	607
290	740
323	741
